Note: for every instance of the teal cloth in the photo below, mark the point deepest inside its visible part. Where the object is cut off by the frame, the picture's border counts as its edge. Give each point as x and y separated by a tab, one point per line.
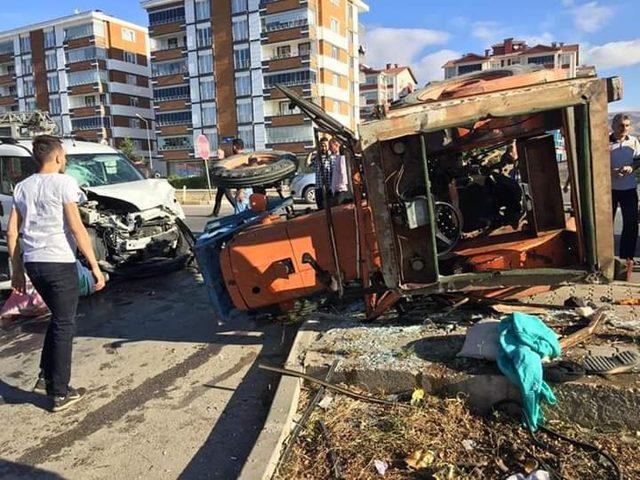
524	341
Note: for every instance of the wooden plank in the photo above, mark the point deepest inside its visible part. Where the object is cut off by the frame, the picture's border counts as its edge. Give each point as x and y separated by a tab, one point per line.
601	171
435	116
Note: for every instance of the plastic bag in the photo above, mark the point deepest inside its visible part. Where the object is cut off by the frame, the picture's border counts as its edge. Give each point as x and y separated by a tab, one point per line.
29	304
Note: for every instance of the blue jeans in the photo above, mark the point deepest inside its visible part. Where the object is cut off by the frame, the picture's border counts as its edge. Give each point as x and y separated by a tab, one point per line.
57	284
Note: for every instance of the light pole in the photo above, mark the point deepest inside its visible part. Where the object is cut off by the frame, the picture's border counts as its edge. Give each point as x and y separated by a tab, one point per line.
146	125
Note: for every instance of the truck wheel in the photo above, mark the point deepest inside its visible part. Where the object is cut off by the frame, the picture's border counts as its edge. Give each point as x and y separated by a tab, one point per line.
256	169
309	194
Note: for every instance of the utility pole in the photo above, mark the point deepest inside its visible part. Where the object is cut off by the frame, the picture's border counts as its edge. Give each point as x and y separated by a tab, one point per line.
146	125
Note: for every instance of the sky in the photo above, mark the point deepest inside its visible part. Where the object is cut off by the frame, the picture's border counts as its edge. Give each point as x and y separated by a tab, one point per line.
427	33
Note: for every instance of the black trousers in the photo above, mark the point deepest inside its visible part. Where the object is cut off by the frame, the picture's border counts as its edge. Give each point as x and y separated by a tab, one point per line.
57	284
628	202
319	198
220	193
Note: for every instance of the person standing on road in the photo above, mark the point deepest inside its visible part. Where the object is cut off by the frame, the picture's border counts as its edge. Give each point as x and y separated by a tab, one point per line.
339	175
221	192
43	233
242	195
624	148
322	167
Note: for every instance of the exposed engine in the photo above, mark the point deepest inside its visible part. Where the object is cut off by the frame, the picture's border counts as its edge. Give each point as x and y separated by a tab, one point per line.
122	237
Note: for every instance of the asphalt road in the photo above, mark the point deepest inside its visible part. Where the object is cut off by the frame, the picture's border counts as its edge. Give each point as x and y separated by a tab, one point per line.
173	392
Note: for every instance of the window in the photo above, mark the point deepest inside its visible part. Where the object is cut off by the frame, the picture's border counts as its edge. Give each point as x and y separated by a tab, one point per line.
130	57
293	134
566	59
128	35
86	53
203	9
207	90
205	63
14	170
209	115
134	123
51	61
304	49
335	52
173	118
175	143
240	27
131	79
243	84
90	101
336	106
475	67
245	132
213	139
285	20
55	107
27	67
203	37
283	51
336	2
6	47
335	80
284	108
335	25
134	102
173	67
244	110
185	169
49	39
238	6
29	88
88	123
25	44
172	93
167	16
293	78
172	43
241	57
52	82
86	77
80	31
31	104
544	60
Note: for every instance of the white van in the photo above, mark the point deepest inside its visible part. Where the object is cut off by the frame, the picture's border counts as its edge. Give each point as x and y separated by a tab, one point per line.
135	223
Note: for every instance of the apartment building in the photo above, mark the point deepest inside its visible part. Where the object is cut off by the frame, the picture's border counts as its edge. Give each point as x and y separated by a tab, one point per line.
517	52
215	64
90	71
383	86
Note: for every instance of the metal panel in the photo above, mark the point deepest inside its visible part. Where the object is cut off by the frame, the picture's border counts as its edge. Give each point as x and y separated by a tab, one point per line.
191	37
256	83
189	11
601	170
196	116
256	54
195	89
192	60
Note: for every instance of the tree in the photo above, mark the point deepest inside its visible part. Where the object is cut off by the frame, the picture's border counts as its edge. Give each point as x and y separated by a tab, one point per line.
128	150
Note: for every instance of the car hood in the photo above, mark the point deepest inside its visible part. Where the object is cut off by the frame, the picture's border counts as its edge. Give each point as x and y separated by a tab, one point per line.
142	194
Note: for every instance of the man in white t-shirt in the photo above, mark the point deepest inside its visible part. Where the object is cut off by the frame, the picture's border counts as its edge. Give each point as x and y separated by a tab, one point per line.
43	234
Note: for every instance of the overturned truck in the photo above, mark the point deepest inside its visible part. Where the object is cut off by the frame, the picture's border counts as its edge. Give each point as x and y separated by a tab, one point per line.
456	187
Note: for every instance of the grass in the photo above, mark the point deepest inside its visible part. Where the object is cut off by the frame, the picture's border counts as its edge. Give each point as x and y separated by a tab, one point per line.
453	443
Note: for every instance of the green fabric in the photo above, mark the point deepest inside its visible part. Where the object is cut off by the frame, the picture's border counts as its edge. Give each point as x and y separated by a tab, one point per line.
524	341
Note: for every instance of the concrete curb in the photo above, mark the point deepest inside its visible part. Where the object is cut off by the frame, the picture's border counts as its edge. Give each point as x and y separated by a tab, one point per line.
264	456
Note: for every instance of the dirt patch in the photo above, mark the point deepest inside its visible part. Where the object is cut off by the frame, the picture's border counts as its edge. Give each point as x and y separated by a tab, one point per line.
449	441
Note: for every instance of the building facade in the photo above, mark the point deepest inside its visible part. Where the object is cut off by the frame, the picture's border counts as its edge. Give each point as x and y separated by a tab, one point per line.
215	64
90	71
383	86
517	52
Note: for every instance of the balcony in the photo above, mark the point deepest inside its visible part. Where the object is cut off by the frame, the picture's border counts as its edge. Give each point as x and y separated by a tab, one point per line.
277	6
7	79
286	62
285	120
175	53
285	31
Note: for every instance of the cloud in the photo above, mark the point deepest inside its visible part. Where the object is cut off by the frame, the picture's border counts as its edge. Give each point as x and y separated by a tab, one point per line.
613	54
399	45
590	17
543	39
487	31
429	67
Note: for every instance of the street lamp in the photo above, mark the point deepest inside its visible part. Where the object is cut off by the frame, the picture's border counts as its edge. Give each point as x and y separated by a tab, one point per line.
146	125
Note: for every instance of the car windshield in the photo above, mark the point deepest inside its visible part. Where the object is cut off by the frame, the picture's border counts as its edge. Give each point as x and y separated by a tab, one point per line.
97	170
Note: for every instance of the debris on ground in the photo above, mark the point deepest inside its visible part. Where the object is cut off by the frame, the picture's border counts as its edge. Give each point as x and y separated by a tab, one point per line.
443	439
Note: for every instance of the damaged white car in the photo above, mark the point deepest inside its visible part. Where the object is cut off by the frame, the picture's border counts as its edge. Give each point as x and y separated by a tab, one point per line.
136	224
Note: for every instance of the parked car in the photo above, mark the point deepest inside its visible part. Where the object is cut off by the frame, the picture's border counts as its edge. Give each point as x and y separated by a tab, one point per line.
303	187
135	223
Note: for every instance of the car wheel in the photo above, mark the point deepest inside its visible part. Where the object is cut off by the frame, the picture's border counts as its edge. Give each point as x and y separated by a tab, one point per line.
309	194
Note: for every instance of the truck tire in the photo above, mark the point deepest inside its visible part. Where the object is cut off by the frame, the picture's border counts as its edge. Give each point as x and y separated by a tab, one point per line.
256	169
